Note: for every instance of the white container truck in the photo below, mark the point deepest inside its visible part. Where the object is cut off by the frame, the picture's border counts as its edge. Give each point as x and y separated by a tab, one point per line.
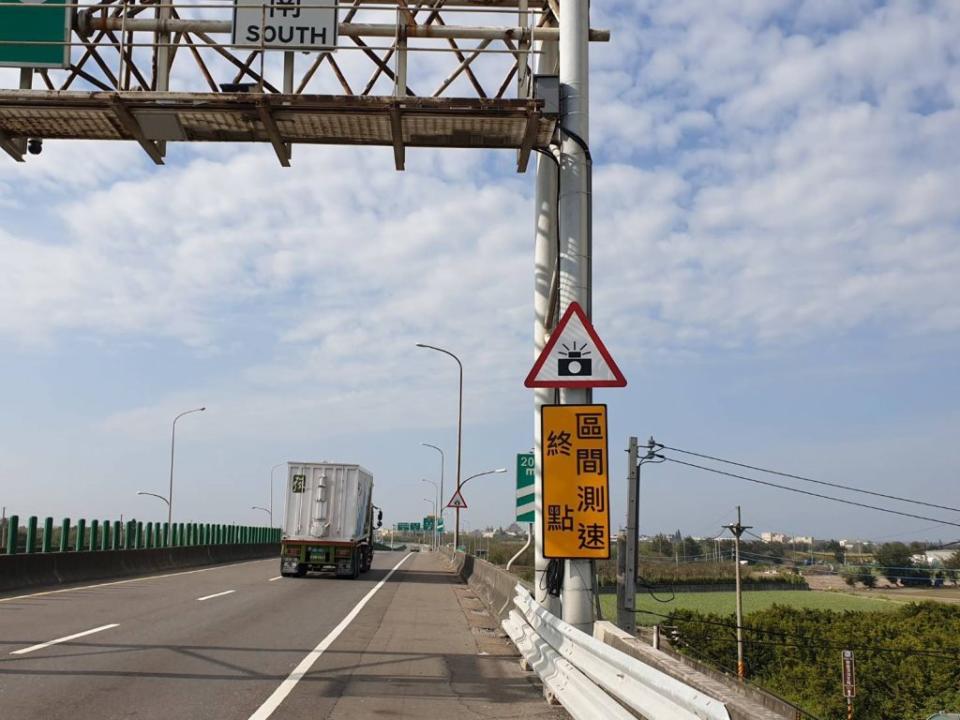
328	520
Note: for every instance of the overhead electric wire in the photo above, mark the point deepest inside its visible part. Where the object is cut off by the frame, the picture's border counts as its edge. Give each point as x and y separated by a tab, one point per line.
840	486
812	494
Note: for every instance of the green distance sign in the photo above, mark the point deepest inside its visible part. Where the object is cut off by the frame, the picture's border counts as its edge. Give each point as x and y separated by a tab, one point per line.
35	21
526	476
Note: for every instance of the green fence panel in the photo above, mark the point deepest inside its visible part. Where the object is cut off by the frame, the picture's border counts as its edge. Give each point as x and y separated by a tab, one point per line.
174	535
13	534
166	534
31	546
105	540
116	542
206	533
183	533
94	531
157	535
65	535
81	534
47	543
130	535
149	542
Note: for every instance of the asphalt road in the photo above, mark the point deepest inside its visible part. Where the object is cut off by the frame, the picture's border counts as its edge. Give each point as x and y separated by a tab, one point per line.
236	641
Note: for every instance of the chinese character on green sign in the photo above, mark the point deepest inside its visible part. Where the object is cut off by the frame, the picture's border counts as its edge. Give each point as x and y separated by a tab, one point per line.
35	33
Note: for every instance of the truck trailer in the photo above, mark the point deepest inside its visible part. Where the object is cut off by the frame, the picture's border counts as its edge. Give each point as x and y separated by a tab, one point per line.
328	520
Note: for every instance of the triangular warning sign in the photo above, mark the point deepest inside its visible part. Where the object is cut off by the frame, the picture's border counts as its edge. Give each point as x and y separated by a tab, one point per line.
575	357
457	501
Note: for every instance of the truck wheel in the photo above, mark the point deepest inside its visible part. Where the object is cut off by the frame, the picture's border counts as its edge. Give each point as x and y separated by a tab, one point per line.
366	560
301	570
355	565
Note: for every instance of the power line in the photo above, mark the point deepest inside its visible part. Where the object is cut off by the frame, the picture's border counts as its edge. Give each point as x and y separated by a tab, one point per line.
812	494
810	480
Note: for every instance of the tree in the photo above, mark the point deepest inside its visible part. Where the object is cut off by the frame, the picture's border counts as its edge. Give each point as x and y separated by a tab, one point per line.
894	561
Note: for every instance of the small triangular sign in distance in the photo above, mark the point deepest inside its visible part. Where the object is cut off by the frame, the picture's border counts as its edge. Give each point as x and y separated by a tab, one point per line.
457	501
575	357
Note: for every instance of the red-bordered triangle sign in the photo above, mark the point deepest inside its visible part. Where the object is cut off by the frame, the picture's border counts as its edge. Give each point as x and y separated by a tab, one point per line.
457	501
575	357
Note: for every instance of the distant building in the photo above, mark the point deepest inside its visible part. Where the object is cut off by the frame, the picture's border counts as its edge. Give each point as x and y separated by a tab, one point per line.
802	539
773	537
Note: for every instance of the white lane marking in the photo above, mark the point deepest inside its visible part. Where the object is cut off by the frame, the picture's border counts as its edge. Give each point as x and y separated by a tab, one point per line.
30	649
276	578
278	696
130	580
219	594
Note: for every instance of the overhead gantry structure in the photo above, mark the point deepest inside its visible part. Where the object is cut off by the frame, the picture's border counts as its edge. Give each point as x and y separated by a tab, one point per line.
397	73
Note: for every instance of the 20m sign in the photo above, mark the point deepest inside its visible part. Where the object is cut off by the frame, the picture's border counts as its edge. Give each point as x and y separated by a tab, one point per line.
35	33
285	24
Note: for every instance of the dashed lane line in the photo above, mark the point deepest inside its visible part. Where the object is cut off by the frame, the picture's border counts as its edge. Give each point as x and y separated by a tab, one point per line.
219	594
32	648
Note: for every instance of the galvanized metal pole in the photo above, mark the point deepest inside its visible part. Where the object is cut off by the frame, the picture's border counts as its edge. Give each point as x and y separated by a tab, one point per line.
577	594
544	274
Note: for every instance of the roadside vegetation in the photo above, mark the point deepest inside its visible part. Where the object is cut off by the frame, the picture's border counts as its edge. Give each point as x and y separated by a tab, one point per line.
908	657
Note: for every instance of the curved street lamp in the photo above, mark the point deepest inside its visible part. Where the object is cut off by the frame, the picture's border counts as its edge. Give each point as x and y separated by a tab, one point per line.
436	526
257	507
480	474
173	439
159	497
440	509
271	490
456	531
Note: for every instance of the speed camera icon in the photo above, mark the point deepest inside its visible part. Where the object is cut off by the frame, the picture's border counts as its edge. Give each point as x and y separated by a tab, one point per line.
575	362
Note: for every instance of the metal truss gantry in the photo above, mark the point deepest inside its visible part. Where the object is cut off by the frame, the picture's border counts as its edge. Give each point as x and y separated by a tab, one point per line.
154	73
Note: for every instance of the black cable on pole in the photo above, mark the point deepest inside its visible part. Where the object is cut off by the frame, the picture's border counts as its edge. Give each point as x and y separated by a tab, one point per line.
840	486
812	494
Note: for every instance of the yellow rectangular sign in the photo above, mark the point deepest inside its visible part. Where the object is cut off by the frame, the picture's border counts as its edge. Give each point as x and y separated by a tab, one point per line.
576	487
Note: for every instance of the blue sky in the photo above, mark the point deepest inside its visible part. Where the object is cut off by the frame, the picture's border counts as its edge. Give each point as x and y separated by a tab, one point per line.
776	232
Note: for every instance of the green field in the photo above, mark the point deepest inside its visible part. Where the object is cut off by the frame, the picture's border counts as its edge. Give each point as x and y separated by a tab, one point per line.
724	602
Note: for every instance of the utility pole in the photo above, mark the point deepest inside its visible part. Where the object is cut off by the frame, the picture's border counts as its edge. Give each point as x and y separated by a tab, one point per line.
627	587
737	531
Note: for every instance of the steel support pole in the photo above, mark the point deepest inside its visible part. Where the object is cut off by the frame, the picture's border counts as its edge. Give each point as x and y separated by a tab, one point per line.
544	273
574	213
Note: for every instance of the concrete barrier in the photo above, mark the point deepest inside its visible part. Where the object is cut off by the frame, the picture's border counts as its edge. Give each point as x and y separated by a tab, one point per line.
494	586
25	571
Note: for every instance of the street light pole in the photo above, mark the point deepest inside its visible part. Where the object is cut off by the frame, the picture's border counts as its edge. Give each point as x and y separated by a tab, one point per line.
271	491
257	507
159	497
173	440
440	508
456	529
481	474
433	505
436	536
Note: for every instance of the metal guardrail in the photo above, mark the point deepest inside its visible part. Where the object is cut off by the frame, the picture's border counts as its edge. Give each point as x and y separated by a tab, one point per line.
591	679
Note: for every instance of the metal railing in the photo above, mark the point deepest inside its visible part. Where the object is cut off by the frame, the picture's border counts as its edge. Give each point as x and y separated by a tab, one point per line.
82	536
591	679
120	45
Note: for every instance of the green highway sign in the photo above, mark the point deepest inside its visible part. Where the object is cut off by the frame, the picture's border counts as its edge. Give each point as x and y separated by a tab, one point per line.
35	33
428	524
526	472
